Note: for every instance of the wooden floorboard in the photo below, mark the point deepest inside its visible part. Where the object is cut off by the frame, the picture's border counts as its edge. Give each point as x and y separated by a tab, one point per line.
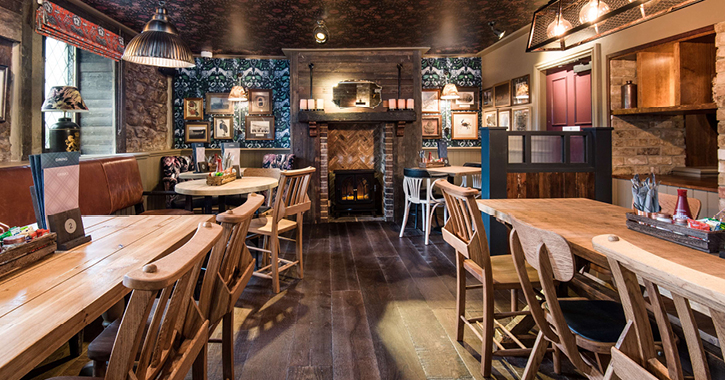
371	306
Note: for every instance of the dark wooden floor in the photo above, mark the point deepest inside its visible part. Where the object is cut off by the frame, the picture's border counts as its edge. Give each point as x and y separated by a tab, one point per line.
371	306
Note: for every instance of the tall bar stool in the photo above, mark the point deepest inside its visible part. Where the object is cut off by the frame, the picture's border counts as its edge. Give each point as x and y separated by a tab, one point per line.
416	194
634	356
167	334
465	232
567	324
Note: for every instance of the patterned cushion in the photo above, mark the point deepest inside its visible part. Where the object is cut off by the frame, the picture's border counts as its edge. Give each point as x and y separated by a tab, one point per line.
278	161
171	167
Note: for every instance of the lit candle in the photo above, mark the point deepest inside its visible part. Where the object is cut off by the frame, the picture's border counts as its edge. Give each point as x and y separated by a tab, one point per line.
385	104
410	104
401	104
392	104
321	104
310	104
303	104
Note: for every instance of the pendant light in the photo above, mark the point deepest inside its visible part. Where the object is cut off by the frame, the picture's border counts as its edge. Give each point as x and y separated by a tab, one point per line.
559	26
450	91
159	44
238	93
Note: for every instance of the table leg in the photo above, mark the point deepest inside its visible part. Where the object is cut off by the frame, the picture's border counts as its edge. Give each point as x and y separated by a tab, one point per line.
189	206
207	205
222	203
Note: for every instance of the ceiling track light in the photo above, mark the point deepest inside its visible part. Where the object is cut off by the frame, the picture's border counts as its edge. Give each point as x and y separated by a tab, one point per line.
497	32
320	32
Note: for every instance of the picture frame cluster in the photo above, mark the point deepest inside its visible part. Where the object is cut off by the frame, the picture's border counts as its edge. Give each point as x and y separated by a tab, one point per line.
505	104
259	123
464	124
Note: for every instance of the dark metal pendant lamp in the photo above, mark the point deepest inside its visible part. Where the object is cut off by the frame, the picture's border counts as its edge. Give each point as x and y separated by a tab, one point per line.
159	44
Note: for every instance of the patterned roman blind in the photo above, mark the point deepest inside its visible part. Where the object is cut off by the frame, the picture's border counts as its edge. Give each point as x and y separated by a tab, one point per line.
57	22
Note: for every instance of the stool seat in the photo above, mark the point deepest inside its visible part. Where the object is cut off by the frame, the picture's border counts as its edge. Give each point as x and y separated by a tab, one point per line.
596	320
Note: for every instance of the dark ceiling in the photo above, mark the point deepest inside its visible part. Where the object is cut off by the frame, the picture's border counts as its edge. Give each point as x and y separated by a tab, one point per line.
265	27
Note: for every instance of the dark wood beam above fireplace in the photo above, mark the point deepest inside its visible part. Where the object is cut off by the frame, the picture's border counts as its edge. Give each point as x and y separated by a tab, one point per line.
407	116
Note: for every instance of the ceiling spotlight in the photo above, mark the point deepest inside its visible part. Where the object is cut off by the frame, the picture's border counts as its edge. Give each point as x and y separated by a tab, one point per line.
320	32
498	32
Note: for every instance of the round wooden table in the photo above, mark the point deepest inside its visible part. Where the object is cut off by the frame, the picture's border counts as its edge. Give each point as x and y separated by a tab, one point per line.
244	185
192	175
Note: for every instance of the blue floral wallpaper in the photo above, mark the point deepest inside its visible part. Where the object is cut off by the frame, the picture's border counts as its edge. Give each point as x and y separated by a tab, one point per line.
220	75
464	72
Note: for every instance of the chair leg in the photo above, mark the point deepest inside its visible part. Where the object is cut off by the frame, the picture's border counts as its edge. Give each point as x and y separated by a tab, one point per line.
487	333
228	346
298	245
265	245
405	218
99	368
428	219
274	243
198	369
514	300
557	360
460	296
537	355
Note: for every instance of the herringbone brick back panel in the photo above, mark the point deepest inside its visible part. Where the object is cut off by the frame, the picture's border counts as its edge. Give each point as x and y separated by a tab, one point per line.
350	149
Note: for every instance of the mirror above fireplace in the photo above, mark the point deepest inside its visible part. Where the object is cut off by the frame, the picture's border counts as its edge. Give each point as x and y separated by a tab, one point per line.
357	93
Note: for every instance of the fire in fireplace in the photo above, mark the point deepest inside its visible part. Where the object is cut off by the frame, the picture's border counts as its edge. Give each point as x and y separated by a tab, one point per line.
355	191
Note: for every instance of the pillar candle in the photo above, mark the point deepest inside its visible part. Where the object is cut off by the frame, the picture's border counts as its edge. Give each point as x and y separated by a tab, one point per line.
303	104
320	104
385	104
392	104
310	104
401	104
410	104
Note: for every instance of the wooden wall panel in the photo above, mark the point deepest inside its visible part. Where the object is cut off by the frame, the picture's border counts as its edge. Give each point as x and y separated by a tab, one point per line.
550	185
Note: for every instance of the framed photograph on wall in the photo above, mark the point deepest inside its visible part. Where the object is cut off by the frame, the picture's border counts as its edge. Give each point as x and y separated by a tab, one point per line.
223	128
468	100
521	90
259	128
196	132
260	102
219	104
464	126
487	97
432	126
430	101
193	109
502	94
521	119
504	119
490	118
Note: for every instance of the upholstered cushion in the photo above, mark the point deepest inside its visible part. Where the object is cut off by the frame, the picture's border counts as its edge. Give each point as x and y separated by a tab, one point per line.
100	348
600	321
124	182
278	161
16	204
93	195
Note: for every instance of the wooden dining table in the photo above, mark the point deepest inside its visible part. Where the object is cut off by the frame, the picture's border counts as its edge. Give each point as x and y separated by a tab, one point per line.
45	304
244	185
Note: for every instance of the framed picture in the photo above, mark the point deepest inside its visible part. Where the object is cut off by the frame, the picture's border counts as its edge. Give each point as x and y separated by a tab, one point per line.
193	109
464	126
260	102
218	103
197	132
504	119
502	94
521	119
488	97
490	118
432	126
521	90
468	100
223	128
431	102
259	128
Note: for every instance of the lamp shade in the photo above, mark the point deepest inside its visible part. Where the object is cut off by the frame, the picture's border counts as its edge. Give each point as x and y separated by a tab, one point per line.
64	99
450	92
159	45
238	94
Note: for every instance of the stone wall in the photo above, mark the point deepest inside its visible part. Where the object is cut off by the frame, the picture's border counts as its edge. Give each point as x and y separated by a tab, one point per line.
146	99
718	94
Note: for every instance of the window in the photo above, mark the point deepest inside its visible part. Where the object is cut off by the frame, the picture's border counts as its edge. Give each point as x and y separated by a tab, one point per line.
95	77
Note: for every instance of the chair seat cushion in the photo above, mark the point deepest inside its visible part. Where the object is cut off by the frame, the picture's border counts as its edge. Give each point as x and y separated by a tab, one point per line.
100	348
263	225
596	320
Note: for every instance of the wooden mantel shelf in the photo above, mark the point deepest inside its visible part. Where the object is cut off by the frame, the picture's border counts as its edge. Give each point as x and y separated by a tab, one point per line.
407	116
675	110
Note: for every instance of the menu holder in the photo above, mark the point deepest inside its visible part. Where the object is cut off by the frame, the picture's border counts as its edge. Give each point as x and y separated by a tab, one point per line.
69	227
198	151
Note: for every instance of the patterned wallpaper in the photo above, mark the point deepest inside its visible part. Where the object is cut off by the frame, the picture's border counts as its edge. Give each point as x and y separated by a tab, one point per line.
464	72
219	75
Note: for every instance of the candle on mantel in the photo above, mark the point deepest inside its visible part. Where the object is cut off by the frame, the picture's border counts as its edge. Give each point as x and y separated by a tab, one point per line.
410	104
321	104
392	105
401	104
311	104
303	104
385	104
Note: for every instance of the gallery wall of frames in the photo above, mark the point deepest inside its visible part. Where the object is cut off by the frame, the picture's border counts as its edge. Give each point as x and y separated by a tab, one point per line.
508	104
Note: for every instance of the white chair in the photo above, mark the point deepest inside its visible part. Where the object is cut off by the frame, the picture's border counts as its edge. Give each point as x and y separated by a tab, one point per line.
475	178
412	184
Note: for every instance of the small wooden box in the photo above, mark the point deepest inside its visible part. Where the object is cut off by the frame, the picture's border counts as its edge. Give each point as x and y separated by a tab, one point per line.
220	180
425	165
706	241
23	255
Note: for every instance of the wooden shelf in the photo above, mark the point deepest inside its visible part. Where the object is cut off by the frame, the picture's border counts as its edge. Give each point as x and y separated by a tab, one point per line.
675	110
353	117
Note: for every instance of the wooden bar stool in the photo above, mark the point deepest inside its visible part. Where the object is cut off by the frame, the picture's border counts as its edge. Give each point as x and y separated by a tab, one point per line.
567	323
465	232
290	199
634	356
175	339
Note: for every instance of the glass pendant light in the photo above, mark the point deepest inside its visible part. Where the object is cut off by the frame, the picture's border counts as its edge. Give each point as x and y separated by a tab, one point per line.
238	93
159	44
592	10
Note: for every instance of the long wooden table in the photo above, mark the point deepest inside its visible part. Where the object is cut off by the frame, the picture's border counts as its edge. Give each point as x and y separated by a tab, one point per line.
47	303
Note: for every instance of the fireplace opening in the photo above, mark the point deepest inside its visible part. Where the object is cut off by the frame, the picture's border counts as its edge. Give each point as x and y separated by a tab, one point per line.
356	191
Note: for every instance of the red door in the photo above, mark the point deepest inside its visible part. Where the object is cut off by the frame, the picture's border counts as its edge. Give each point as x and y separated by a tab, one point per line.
568	99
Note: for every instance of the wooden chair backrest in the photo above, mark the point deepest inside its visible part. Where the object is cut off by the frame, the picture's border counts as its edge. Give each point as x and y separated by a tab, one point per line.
550	254
464	229
634	356
669	201
291	197
177	331
230	264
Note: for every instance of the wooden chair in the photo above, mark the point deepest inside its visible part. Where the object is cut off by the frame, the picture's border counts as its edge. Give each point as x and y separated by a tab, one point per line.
227	273
414	194
175	340
465	232
669	201
290	199
634	356
567	323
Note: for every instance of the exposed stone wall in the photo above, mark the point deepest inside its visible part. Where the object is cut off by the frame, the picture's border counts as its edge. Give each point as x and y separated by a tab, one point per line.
718	94
146	98
643	143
